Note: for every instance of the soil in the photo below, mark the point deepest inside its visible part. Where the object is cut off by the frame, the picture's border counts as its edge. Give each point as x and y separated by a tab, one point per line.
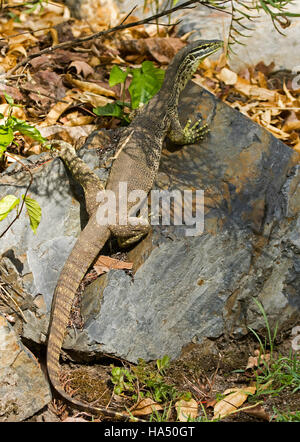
205	371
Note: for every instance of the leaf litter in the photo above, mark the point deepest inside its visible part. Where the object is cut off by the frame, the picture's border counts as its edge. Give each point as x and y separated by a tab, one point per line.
77	78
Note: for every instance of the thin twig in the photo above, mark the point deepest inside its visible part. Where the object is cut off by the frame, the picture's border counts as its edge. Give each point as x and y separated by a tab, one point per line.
12	299
24	196
129	13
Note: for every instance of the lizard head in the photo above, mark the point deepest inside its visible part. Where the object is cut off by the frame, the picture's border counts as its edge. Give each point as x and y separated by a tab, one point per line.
185	63
200	49
188	58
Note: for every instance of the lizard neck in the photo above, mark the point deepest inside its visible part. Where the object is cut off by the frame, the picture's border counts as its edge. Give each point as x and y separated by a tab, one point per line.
181	70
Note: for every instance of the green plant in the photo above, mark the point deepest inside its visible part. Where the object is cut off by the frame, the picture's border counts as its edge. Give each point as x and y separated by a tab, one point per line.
163	363
13	125
122	379
271	335
33	5
287	416
277	373
155	416
243	13
8	131
10	202
150	382
145	83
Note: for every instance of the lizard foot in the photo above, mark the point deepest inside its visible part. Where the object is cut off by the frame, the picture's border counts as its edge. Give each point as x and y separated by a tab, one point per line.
194	133
126	242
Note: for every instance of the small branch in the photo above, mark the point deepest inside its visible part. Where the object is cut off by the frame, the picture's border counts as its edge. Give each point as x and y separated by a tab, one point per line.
27	189
128	15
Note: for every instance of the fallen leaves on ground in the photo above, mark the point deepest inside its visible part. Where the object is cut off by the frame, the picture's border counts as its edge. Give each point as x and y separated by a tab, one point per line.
186	410
234	398
269	98
259	412
146	406
64	87
258	359
105	263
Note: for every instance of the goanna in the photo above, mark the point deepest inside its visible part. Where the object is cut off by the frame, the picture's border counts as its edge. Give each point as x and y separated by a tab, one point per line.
136	163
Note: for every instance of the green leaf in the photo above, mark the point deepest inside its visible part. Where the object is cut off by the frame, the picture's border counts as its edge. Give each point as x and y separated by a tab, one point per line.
117	76
163	363
9	99
7	204
122	103
146	82
34	211
6	137
110	109
1	116
27	129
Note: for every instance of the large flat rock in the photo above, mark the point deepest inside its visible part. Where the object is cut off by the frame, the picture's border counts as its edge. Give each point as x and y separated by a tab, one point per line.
185	288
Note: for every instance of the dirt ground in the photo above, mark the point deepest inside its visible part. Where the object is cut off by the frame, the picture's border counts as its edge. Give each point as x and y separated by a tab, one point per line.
205	371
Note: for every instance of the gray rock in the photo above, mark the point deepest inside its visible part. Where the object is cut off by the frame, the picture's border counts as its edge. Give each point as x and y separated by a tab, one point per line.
187	288
39	258
23	387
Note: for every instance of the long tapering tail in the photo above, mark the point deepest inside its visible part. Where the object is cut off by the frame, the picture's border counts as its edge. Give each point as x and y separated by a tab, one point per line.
86	249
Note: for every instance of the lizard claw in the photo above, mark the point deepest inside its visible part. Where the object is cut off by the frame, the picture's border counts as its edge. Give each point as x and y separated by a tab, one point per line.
196	132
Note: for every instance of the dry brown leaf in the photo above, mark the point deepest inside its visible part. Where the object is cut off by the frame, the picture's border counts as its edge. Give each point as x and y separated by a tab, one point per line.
54	36
288	94
296	147
94	99
17	48
90	87
8	62
211	403
232	401
23	39
66	133
186	409
275	130
258	411
56	112
262	81
265	69
17	112
162	49
227	76
76	119
291	125
75	419
146	406
105	263
82	67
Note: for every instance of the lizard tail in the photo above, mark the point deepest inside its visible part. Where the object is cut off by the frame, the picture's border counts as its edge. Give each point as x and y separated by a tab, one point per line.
82	256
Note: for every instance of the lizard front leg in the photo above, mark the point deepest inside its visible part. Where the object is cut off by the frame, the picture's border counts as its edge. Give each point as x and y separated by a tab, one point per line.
130	234
189	134
89	181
